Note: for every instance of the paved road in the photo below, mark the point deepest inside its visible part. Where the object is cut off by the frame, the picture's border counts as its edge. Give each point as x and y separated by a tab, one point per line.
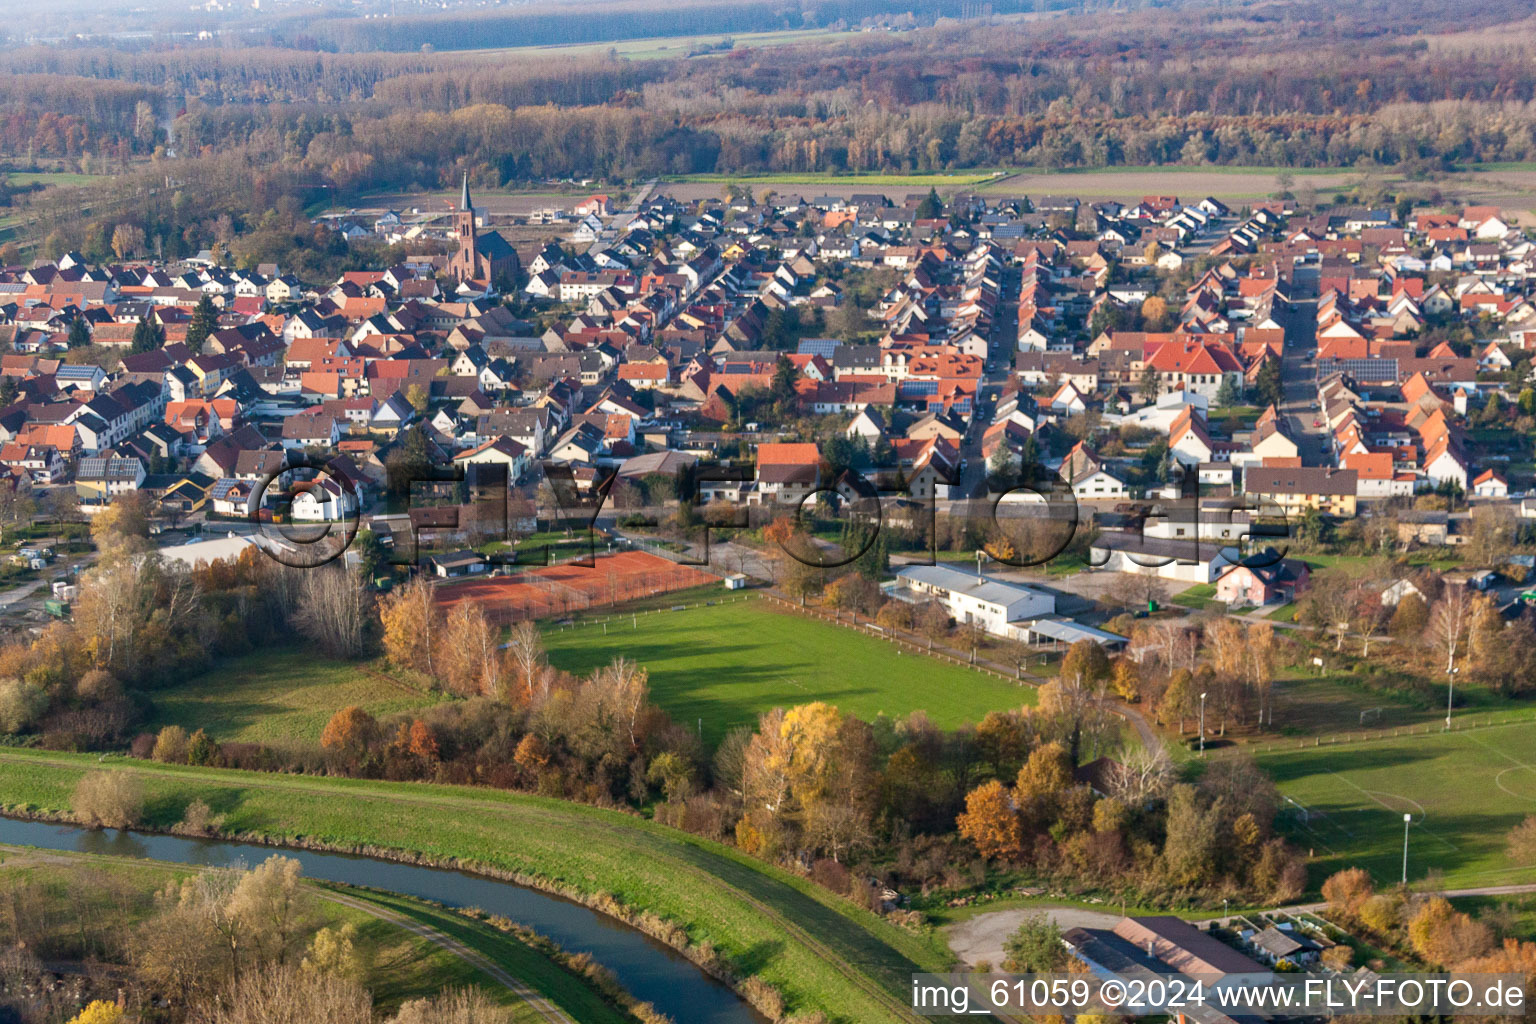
15	594
1300	407
543	1007
1485	890
624	216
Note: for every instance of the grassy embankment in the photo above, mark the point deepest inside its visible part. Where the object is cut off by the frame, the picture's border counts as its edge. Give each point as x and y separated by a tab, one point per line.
821	951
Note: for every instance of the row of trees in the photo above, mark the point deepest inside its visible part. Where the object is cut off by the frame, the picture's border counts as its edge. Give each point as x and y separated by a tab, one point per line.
1427	926
1434	628
1148	831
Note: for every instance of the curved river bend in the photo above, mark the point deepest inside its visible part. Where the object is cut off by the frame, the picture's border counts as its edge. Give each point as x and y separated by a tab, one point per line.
649	970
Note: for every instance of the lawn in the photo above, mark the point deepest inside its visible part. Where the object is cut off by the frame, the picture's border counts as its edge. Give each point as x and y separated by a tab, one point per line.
1199	597
727	664
821	950
279	697
1465	790
52	178
1441	560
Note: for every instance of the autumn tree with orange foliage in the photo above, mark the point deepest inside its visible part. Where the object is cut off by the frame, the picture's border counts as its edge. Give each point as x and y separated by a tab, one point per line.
415	739
1444	935
412	622
1346	890
351	731
991	822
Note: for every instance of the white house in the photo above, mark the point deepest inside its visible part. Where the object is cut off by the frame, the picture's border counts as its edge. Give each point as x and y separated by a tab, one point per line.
1490	485
1397	591
325	500
1098	483
1068	401
502	451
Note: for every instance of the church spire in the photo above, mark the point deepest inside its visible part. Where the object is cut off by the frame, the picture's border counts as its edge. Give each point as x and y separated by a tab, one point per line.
464	203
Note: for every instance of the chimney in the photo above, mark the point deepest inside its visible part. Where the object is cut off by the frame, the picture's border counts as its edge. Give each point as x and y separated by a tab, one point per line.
1149	947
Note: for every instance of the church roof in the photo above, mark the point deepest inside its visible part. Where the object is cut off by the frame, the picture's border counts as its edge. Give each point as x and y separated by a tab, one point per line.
492	245
464	203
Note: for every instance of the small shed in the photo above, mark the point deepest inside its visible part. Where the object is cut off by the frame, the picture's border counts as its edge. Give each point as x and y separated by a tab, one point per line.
458	563
736	581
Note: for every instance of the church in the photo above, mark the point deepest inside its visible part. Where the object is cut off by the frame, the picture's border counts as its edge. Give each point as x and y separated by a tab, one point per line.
483	258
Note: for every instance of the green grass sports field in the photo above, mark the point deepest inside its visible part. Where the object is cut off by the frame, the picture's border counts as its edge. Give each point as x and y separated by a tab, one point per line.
729	663
1465	790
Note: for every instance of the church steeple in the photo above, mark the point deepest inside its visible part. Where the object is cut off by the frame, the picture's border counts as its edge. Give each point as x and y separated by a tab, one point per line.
464	203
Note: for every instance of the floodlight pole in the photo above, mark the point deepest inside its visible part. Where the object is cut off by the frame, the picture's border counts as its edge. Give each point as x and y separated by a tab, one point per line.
1407	820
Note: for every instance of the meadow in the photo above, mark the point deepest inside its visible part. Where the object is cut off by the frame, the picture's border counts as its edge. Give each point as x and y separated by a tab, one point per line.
1465	790
721	666
280	697
821	950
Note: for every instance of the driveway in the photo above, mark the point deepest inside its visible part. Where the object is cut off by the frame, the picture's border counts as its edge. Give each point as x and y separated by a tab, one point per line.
981	938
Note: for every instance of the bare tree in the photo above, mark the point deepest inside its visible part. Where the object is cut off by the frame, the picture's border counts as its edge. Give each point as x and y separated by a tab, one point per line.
1259	666
1450	622
462	1006
1333	602
526	648
1143	773
288	995
1176	645
625	687
333	611
16	504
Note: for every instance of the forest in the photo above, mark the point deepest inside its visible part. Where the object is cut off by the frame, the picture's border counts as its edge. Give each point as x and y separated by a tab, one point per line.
1281	82
197	133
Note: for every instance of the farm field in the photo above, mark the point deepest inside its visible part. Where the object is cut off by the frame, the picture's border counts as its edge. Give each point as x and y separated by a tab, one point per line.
820	949
1465	789
1187	182
937	179
52	178
278	697
670	47
729	663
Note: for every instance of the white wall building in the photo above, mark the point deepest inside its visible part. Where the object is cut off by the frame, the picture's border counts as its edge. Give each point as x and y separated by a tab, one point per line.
974	598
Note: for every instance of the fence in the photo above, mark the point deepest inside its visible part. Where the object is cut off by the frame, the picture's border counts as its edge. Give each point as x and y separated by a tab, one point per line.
1465	723
559	590
897	638
632	619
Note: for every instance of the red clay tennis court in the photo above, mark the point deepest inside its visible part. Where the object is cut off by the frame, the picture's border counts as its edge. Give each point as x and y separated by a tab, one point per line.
555	590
